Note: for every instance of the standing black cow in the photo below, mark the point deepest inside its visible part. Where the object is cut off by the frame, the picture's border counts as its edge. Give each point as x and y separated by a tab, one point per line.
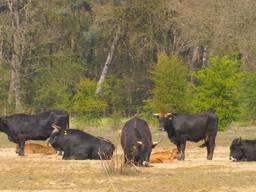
136	141
79	145
243	150
23	127
190	127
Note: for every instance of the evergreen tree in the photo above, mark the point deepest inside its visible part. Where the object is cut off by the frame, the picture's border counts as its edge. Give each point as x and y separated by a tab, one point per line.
217	88
171	86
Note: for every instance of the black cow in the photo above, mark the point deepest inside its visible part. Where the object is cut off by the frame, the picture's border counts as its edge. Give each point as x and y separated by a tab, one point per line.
136	141
190	127
243	150
79	145
23	127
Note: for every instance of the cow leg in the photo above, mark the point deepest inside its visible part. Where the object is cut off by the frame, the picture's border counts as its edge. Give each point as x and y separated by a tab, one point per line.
66	155
207	147
181	148
21	147
210	148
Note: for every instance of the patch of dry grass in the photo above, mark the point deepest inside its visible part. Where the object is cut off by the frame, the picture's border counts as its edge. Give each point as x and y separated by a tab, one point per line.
50	173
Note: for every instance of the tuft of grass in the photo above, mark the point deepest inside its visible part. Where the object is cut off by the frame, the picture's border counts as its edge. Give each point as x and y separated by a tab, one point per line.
116	166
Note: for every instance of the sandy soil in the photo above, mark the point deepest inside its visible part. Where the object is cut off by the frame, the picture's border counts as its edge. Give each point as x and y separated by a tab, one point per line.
50	173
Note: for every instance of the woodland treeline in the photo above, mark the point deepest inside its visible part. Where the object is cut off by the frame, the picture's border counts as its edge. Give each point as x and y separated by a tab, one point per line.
99	58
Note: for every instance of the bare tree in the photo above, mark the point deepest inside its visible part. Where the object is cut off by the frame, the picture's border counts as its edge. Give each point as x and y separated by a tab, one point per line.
108	62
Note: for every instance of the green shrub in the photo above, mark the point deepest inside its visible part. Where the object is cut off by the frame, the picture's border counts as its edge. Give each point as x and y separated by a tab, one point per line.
85	102
248	96
217	88
171	86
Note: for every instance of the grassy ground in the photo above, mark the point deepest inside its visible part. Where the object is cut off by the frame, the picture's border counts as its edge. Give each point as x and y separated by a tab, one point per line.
50	173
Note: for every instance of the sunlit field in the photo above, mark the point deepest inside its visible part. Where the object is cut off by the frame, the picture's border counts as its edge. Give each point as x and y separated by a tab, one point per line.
50	173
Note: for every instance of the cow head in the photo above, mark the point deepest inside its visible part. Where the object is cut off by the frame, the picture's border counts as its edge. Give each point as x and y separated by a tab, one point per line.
144	152
107	148
164	120
236	150
55	133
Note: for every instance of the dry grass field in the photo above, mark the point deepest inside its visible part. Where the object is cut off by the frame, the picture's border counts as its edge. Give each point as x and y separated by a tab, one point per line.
50	173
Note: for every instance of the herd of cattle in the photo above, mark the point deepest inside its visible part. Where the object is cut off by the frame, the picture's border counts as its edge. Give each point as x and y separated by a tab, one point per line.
136	138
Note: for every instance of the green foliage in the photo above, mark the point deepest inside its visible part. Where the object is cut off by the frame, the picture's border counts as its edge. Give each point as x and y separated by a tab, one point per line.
52	85
113	94
217	88
171	86
85	102
248	96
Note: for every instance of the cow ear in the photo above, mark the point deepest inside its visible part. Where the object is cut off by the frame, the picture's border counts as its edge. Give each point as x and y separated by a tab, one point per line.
156	115
154	144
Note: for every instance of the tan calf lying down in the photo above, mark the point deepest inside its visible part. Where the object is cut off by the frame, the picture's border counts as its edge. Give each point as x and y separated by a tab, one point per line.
34	148
164	156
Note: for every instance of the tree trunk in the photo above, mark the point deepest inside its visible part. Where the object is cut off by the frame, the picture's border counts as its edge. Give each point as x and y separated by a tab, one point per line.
15	83
11	86
204	62
108	62
194	62
1	47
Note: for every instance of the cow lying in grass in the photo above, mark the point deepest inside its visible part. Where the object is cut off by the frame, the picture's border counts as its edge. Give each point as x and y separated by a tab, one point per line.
164	156
79	145
243	150
33	148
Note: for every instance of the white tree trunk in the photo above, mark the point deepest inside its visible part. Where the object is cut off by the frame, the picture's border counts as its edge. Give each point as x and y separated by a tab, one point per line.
108	62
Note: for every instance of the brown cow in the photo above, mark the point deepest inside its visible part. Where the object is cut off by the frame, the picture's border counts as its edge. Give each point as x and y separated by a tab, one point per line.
164	156
34	148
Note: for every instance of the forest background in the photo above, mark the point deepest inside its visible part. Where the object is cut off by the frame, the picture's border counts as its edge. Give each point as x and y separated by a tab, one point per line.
117	58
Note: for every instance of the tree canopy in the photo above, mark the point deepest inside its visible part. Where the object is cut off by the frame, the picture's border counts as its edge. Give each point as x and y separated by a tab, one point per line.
53	51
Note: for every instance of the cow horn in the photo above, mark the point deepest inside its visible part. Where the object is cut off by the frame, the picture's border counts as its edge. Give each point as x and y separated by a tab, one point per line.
168	114
155	143
56	128
140	142
156	115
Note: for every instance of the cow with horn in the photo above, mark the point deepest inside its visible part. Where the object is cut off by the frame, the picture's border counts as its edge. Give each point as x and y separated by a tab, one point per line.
182	127
22	127
136	141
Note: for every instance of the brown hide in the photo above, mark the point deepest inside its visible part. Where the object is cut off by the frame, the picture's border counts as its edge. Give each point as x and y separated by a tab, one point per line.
34	148
164	156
